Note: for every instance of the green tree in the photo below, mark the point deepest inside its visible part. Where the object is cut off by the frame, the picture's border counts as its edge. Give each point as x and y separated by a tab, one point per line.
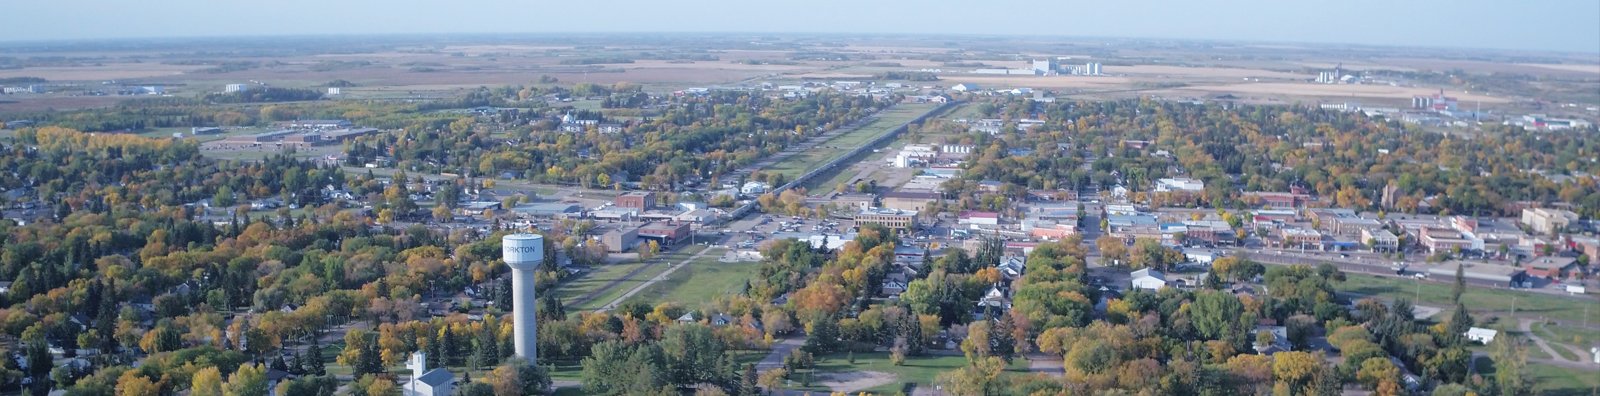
1510	360
249	380
978	378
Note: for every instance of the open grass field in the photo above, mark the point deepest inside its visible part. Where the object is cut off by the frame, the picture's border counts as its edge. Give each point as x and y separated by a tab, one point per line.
600	281
1569	333
887	119
700	282
1479	301
1561	381
596	278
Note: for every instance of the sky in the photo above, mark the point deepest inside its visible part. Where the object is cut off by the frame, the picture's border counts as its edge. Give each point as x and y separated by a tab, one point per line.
1548	25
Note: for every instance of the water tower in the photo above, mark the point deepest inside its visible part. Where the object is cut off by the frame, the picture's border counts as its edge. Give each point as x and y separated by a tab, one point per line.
524	252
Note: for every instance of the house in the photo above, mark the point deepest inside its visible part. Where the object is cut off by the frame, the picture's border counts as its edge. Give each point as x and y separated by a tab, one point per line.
1482	335
1012	266
1148	279
689	317
965	88
994	300
425	382
893	285
1279	343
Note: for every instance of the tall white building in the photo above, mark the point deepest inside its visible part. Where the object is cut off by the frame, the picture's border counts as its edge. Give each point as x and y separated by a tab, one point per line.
231	88
524	252
425	382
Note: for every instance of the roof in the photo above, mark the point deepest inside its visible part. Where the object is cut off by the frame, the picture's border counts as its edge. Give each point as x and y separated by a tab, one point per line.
437	377
1148	272
1482	332
980	215
910	195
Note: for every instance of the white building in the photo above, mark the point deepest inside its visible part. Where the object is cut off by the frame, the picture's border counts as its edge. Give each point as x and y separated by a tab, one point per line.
754	188
1181	184
1482	335
964	87
1148	279
231	88
424	382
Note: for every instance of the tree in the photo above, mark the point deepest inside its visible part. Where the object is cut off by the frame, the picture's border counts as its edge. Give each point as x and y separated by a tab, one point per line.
1216	314
1375	372
1294	369
1112	248
1460	286
1510	358
206	382
248	380
977	378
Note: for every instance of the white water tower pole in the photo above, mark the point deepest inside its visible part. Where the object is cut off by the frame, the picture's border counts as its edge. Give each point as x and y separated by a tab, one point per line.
524	252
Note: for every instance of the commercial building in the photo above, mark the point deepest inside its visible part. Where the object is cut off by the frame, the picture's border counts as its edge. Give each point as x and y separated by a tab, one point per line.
1547	221
1380	240
623	240
909	201
641	200
893	219
549	210
1182	184
1147	279
235	88
666	234
1440	239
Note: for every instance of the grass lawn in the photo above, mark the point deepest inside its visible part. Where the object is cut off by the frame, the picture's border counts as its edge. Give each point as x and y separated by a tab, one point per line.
1561	381
595	278
799	163
603	275
1569	332
918	370
1479	300
700	281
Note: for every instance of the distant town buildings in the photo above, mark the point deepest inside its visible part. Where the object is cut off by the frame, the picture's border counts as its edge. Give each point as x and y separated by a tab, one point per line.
235	88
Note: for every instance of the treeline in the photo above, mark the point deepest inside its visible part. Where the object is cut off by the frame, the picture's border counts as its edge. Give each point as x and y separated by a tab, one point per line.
262	95
908	76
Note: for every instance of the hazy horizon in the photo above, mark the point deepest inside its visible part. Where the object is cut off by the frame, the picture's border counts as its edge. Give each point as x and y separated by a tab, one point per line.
1560	25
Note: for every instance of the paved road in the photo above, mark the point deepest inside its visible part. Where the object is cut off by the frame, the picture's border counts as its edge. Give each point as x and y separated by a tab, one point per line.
774	359
624	297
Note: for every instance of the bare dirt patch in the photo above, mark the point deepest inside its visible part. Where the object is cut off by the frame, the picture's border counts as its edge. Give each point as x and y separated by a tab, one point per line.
853	381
